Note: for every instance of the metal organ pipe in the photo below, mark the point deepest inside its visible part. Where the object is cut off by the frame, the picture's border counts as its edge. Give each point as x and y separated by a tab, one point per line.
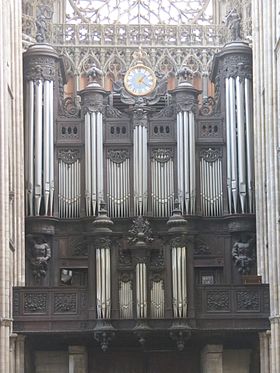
103	283
186	161
140	169
141	291
249	143
179	281
93	161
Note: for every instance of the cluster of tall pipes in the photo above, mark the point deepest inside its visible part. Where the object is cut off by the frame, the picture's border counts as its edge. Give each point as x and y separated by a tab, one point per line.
103	282
240	158
69	189
186	161
211	187
93	162
39	147
162	183
179	281
118	188
140	166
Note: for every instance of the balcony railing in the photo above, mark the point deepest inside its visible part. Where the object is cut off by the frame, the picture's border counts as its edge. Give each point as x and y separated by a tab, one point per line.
216	307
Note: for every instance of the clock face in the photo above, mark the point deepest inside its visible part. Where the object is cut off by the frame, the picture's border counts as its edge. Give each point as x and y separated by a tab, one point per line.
140	80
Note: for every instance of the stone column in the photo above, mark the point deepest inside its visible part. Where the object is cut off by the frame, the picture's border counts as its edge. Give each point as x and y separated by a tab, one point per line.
212	359
78	359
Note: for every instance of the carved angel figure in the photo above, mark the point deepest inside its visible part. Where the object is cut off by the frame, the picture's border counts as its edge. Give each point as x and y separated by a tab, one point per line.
233	22
243	255
39	255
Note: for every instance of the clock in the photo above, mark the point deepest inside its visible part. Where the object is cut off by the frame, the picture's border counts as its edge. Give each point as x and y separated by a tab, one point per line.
140	80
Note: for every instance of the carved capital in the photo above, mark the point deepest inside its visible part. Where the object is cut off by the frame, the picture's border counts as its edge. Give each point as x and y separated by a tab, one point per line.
237	65
162	155
69	156
186	102
92	103
211	154
102	243
118	155
40	68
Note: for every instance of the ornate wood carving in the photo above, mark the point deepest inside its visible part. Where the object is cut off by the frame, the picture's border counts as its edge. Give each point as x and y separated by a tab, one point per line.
218	301
65	303
35	303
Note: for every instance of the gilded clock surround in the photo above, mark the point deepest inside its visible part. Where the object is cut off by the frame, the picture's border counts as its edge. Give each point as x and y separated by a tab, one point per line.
144	84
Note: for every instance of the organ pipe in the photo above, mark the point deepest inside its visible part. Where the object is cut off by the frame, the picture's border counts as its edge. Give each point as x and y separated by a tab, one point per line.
186	161
140	169
141	291
103	283
93	162
179	281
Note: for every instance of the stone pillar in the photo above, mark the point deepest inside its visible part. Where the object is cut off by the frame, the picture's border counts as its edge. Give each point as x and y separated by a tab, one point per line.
212	359
78	359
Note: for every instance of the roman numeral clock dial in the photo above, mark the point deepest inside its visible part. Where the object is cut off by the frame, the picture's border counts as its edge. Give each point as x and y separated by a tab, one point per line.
140	80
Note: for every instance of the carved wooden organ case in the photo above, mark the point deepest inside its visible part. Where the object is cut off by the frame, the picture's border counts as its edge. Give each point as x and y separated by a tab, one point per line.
139	200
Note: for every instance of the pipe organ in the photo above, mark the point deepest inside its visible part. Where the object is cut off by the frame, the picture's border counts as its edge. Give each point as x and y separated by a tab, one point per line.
177	169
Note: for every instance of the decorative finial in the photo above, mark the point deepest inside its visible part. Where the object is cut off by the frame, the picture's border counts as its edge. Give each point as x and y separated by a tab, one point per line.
102	224
176	222
185	75
139	56
44	14
94	74
233	22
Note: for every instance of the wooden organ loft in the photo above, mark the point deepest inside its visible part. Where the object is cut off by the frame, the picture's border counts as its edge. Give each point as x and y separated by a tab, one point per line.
140	222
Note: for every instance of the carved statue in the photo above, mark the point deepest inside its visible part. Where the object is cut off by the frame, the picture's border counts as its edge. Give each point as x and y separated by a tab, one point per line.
233	22
94	73
243	255
185	75
43	13
39	255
